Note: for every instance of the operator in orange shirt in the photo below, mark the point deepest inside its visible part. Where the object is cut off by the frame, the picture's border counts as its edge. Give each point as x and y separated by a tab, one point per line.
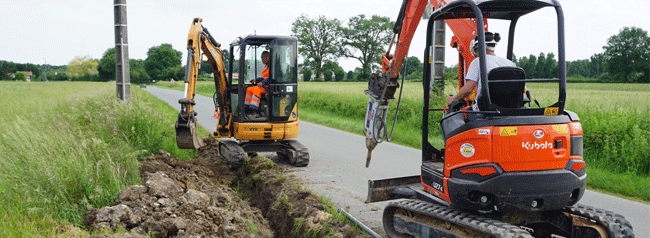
254	93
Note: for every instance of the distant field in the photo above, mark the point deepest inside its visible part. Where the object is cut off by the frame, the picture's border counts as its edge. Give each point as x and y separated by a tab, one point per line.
70	146
615	118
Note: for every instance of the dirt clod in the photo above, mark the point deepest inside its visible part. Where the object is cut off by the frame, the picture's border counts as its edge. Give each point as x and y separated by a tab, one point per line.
203	198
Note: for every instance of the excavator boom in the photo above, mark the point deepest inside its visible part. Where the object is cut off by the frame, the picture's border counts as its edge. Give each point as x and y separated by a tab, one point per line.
201	43
382	86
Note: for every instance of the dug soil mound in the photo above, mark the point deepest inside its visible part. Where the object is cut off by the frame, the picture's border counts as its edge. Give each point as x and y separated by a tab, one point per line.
203	198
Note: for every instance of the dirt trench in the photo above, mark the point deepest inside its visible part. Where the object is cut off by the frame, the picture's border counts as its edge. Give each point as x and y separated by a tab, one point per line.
203	198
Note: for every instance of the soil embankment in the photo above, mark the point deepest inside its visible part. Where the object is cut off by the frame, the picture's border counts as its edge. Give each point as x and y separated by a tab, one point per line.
203	198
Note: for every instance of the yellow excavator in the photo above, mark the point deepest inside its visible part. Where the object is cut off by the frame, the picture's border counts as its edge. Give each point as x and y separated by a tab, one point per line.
273	124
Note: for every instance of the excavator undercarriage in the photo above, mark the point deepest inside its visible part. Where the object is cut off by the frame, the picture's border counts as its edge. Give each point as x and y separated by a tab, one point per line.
417	218
419	214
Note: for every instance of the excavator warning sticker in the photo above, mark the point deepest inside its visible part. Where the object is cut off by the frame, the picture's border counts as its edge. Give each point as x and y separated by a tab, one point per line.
551	111
561	129
508	131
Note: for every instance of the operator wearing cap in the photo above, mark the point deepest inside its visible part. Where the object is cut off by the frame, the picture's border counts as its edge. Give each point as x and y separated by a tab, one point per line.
473	73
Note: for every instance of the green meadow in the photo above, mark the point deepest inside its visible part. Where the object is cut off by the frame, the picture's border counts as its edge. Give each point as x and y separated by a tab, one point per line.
615	119
67	147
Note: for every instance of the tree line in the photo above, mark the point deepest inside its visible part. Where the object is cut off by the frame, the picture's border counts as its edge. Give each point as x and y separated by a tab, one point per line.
625	60
163	62
322	41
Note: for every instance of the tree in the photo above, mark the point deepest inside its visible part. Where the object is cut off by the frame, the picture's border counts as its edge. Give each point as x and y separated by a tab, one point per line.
339	74
306	75
81	66
597	65
361	74
327	75
138	73
330	65
627	55
60	76
413	64
528	64
350	75
546	66
106	67
451	74
162	61
20	76
578	67
364	40
179	73
318	40
539	65
5	68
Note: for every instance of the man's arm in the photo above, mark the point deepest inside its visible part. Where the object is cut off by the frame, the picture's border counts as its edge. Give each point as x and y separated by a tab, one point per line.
262	82
465	91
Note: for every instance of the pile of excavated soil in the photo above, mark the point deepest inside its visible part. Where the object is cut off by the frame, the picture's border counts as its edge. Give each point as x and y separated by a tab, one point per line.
203	198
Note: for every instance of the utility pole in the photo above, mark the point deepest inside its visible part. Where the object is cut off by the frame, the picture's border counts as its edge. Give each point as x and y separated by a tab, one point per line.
122	71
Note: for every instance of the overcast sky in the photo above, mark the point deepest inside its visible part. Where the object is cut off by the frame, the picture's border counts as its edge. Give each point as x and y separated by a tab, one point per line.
55	32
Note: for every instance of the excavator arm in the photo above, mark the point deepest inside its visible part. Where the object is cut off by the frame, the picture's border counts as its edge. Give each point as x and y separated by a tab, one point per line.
201	43
382	86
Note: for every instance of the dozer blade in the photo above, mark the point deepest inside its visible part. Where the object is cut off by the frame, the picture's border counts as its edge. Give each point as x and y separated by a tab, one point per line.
187	134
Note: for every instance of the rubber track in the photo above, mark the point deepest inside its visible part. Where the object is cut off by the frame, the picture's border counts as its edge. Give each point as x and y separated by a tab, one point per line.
616	224
235	154
484	225
301	154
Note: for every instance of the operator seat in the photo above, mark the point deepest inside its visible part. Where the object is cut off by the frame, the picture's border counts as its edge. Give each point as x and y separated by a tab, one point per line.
507	94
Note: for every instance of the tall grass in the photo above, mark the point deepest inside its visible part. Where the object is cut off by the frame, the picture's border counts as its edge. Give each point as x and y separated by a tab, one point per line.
67	147
616	123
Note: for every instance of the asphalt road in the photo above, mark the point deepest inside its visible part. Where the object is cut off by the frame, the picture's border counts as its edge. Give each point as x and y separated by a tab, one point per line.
337	168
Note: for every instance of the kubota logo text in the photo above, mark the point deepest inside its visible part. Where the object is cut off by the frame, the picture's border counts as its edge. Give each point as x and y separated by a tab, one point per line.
536	146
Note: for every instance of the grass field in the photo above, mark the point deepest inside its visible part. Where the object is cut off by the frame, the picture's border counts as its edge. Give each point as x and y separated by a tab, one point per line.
67	147
615	118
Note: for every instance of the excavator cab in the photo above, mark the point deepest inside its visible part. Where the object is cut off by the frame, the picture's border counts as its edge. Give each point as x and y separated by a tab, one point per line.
278	101
241	135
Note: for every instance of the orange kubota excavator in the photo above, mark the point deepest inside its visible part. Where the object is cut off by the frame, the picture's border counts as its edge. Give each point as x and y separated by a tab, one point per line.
515	170
273	129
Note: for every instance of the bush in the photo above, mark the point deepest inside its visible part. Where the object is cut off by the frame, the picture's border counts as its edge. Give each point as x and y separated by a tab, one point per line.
20	76
415	76
86	78
327	75
60	77
339	74
306	75
139	77
350	76
363	76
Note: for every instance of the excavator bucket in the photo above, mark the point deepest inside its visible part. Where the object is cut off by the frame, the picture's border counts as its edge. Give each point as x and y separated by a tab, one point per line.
187	133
